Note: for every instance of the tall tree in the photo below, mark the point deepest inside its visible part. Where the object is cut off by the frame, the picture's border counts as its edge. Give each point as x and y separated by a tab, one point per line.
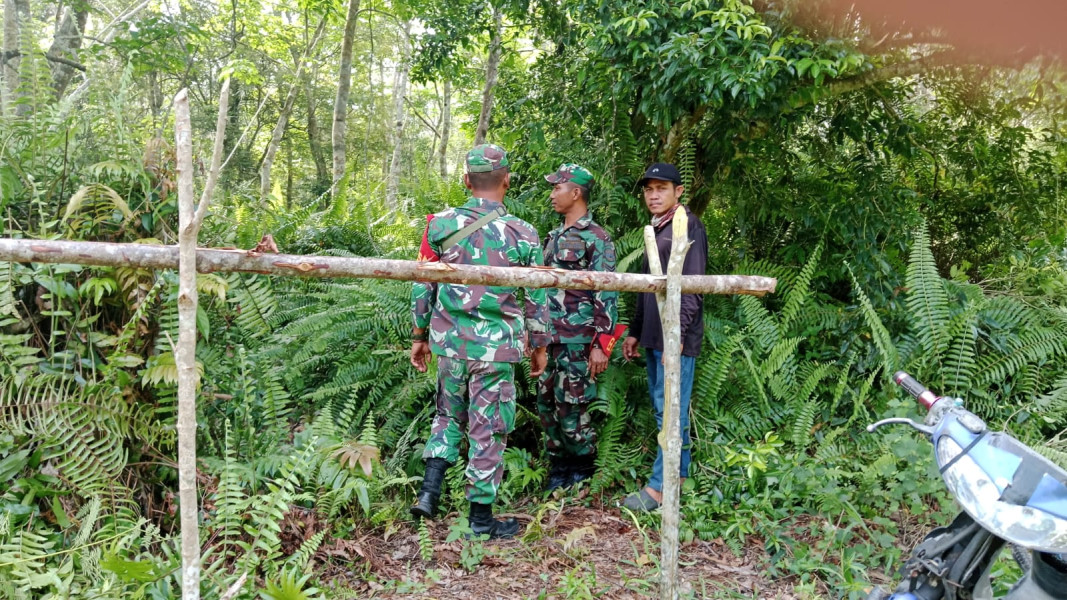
344	85
63	53
491	68
286	111
322	172
400	91
446	126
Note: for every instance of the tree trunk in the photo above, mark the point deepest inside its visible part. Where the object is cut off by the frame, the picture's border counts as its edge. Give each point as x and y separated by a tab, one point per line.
103	36
233	116
67	42
283	117
344	85
275	141
490	77
670	437
288	173
155	95
400	91
446	125
185	353
144	256
322	172
189	221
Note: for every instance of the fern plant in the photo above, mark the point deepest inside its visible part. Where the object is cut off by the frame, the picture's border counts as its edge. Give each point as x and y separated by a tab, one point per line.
1000	354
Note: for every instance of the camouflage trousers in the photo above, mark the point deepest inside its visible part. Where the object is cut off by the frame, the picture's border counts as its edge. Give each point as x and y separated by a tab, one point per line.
564	393
476	399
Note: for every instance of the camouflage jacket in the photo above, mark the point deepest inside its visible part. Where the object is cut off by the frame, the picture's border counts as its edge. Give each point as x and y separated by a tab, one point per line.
477	322
578	316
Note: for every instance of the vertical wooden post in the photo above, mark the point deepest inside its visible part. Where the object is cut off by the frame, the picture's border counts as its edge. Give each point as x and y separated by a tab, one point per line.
190	219
669	438
185	353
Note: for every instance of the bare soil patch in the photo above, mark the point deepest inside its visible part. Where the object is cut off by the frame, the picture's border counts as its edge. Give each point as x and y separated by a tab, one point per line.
576	552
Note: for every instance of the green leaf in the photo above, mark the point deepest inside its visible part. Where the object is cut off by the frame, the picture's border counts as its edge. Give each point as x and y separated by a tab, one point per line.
61	515
203	323
10	466
129	570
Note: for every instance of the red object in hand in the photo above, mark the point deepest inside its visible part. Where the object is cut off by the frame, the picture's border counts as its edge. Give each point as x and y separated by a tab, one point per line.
426	253
607	342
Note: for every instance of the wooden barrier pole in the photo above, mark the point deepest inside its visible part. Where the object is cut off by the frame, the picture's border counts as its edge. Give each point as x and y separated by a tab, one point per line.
671	435
185	353
190	218
222	260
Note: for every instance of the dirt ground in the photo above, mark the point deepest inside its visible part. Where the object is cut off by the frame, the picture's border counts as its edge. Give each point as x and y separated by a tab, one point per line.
575	552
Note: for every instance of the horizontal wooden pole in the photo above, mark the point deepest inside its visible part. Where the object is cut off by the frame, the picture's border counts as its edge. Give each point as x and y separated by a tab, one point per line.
145	256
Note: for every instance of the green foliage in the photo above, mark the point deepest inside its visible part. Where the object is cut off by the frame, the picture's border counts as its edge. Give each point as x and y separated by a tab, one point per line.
290	586
619	454
425	541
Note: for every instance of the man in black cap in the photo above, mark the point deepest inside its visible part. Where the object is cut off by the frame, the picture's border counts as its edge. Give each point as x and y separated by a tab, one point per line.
662	184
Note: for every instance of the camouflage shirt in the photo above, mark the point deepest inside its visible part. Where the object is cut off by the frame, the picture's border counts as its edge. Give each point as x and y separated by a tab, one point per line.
478	322
580	315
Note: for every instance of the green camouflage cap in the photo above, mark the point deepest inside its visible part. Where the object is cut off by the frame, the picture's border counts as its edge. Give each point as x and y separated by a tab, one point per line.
570	172
486	158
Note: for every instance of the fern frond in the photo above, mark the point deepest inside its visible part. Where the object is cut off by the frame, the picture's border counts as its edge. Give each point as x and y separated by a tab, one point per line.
1054	454
710	376
613	387
878	331
804	407
254	303
782	354
961	355
859	404
842	382
1032	346
766	268
301	559
800	292
762	327
927	300
7	290
18	358
754	380
230	500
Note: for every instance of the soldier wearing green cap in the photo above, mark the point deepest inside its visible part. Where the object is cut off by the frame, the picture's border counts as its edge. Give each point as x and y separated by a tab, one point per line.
478	333
583	324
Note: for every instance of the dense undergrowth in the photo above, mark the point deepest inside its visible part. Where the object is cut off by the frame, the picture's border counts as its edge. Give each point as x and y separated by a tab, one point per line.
915	224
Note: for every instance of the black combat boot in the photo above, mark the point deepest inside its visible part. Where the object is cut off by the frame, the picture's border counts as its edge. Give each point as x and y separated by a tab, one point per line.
426	503
482	523
559	473
583	468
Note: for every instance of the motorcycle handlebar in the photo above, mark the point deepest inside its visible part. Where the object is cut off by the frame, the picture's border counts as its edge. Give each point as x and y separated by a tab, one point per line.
916	389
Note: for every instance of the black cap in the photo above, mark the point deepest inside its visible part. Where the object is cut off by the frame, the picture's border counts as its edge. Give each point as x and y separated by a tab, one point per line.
663	172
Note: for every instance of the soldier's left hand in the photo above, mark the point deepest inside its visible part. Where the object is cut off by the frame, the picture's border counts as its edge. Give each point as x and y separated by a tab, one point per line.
538	361
598	362
420	353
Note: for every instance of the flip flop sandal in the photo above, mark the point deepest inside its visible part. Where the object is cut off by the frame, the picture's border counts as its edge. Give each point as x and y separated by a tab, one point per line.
640	501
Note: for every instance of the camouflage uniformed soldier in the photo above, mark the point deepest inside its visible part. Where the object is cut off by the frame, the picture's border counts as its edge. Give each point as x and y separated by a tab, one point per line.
478	334
583	323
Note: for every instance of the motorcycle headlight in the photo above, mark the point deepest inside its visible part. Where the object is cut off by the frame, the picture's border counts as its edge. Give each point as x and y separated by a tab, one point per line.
979	493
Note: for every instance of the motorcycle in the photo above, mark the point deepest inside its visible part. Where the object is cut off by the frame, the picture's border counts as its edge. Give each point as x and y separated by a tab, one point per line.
1009	495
